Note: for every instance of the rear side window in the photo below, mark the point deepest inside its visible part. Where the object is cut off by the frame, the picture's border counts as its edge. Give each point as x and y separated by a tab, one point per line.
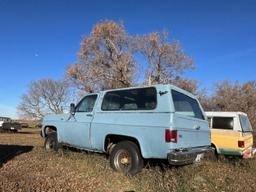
186	105
132	99
245	123
223	123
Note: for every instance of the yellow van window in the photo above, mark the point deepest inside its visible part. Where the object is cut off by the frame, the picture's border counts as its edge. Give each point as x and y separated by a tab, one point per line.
223	123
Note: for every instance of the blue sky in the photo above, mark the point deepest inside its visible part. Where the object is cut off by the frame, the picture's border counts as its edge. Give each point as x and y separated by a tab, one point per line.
39	38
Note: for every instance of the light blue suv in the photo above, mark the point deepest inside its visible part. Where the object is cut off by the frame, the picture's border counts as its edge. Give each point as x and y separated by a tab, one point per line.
133	124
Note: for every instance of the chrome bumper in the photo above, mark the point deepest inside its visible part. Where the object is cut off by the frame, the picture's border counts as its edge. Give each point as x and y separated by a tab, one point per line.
186	156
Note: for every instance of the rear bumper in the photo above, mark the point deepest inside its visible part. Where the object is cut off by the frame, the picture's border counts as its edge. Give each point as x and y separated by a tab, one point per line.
186	156
244	153
249	153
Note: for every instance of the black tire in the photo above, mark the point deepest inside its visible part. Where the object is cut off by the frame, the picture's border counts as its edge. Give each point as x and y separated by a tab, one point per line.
216	156
51	142
126	158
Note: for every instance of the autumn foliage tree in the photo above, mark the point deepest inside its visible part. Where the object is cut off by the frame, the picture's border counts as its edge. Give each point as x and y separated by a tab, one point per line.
189	85
44	96
105	59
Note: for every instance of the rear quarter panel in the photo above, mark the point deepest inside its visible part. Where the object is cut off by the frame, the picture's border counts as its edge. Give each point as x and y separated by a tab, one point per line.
226	141
147	128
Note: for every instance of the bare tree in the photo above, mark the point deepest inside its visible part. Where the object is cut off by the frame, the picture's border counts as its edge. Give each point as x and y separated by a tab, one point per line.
166	60
43	96
192	86
105	59
236	97
206	102
189	85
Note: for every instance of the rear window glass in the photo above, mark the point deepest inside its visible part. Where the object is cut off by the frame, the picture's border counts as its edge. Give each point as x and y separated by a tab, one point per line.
223	123
186	105
131	99
245	123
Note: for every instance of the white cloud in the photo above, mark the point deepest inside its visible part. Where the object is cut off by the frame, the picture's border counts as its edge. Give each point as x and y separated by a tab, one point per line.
8	111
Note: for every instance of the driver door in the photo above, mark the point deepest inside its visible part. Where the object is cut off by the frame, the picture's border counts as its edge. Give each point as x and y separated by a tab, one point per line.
76	129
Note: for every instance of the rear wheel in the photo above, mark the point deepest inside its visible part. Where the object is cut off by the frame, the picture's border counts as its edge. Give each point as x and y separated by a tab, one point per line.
126	158
51	142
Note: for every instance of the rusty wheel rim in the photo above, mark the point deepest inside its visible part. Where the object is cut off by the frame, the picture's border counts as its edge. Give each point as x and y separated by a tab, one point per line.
123	161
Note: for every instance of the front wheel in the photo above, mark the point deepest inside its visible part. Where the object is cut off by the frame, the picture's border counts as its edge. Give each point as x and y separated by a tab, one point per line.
51	142
126	158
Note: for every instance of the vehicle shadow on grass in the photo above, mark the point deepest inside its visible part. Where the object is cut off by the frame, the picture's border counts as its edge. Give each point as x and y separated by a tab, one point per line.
161	164
8	152
28	132
20	132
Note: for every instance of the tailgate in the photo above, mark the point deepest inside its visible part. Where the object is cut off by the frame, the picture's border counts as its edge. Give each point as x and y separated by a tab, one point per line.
192	132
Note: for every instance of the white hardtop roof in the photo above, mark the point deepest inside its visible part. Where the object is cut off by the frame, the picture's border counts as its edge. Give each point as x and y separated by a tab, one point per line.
155	85
224	113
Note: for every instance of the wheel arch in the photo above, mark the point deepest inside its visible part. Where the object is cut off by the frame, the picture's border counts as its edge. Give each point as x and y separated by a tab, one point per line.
112	139
49	129
215	147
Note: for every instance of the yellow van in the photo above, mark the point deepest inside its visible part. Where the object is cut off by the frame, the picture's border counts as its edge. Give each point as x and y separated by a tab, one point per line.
231	133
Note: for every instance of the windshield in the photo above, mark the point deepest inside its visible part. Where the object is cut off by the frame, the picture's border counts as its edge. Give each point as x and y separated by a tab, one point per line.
245	123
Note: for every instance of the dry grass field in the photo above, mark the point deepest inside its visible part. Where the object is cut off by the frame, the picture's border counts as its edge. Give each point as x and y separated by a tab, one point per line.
25	166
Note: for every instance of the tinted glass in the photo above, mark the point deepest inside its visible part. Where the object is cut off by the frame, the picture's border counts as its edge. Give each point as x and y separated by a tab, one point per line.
223	123
245	123
86	104
132	99
186	105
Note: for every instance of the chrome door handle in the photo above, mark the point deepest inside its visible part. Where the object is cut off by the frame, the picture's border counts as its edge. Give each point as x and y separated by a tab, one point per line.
89	115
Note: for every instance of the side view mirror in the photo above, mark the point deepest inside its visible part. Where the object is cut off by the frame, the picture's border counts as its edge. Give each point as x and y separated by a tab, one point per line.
72	109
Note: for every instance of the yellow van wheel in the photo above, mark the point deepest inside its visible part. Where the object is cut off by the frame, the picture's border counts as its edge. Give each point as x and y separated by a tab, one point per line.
214	154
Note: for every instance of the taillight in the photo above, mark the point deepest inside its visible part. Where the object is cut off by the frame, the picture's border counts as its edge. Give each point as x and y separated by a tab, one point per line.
241	144
171	136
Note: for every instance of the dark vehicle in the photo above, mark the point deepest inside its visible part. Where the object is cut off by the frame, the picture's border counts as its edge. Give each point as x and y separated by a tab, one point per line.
8	125
24	125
